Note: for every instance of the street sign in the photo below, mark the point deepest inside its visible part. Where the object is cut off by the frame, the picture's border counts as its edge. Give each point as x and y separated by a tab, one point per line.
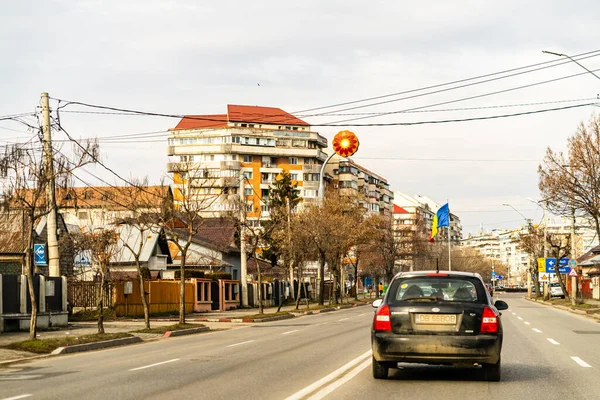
563	267
544	277
541	264
83	258
572	263
493	273
39	254
573	272
499	277
550	265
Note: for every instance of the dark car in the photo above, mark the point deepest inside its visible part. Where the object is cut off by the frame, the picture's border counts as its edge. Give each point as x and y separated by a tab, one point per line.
432	317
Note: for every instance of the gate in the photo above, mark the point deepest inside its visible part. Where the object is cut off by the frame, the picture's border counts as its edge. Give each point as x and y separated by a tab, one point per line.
11	285
214	295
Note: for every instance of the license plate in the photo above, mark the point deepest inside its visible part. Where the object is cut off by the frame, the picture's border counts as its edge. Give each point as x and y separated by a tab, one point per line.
438	319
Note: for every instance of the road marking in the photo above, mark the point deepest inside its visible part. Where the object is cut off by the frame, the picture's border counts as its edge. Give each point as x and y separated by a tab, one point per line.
536	330
343	319
552	341
154	365
322	323
18	397
311	388
514	313
360	315
520	318
328	389
527	323
581	362
237	344
287	333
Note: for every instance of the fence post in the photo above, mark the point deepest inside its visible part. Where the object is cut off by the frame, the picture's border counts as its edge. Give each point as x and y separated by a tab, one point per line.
64	293
42	294
23	295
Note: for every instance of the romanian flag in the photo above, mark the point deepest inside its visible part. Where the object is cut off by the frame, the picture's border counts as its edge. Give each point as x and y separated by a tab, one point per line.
441	218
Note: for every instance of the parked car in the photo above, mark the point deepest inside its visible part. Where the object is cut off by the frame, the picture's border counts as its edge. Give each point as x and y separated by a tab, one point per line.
556	290
457	324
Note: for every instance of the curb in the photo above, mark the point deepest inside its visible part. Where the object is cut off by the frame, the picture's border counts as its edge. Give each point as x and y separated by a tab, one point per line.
6	362
97	345
183	332
564	308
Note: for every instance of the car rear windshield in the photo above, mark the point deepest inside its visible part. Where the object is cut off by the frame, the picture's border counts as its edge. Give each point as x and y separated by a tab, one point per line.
434	288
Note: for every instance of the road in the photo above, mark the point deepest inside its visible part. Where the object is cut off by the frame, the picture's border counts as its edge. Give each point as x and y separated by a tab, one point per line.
547	354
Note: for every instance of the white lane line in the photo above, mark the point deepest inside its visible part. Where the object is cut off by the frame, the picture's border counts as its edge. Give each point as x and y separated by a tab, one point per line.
322	323
581	362
360	315
519	318
328	389
154	365
238	344
536	330
526	323
343	319
286	333
22	396
552	341
514	313
311	388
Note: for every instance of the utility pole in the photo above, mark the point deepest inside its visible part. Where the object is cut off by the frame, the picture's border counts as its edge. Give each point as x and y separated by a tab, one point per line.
53	256
243	257
573	256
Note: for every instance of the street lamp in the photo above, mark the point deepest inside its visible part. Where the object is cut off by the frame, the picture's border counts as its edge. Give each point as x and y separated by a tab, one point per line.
572	59
345	143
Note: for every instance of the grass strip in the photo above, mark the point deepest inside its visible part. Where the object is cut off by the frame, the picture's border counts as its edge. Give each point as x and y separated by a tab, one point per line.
44	346
167	328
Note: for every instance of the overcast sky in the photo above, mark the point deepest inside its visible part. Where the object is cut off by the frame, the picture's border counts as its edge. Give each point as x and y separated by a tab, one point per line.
195	57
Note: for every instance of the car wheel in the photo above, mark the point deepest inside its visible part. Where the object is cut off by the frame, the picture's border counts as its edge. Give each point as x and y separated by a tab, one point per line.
380	370
492	372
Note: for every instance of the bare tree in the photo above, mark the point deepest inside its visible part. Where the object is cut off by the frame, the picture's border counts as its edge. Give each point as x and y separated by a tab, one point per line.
570	184
25	181
182	217
141	203
102	244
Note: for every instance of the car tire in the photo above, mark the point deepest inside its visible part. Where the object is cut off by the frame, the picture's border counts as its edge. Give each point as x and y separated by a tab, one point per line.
492	372
380	370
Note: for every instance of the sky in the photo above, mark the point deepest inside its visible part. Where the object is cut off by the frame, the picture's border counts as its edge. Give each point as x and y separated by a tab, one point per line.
195	57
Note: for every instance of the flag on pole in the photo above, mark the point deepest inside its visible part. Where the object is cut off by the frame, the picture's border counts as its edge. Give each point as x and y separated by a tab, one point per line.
441	218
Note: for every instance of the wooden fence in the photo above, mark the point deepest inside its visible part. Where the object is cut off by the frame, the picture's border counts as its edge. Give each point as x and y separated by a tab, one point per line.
85	294
162	296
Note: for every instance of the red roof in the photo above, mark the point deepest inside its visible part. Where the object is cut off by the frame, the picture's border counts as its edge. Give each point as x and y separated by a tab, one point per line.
202	121
399	210
261	115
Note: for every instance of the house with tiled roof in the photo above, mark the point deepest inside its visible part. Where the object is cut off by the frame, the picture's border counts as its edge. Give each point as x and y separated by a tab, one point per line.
214	157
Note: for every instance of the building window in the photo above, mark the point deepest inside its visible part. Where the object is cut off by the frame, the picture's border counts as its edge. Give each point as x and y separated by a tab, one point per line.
244	125
310	193
248	174
294	176
248	191
293	160
247	158
251	126
234	157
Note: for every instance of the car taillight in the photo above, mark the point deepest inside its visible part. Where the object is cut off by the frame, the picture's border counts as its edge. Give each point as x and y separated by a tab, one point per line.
383	321
489	321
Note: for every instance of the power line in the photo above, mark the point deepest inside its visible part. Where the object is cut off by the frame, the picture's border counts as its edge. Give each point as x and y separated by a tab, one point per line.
463	119
555	62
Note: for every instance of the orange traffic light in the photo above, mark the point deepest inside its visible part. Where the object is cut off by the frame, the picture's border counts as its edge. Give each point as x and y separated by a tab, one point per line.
345	143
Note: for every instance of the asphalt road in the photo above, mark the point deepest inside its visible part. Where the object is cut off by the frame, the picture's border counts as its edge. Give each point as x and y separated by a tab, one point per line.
547	354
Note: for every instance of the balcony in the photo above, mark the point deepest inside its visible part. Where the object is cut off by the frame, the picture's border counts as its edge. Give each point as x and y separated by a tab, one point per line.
311	168
230	164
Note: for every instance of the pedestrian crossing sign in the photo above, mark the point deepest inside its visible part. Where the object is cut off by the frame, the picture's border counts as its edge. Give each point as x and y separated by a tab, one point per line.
573	272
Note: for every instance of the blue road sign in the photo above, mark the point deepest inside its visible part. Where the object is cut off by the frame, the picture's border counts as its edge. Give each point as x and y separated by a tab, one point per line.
493	273
499	277
39	254
572	263
563	266
550	265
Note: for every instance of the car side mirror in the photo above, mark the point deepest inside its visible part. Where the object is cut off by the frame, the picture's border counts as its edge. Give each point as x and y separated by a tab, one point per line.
501	305
377	303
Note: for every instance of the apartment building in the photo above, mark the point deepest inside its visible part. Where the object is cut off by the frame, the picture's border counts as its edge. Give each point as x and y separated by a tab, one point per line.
350	177
213	157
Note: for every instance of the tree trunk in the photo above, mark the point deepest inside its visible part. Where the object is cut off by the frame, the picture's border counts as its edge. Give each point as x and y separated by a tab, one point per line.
32	297
182	287
143	295
29	275
322	280
260	300
292	294
356	280
101	300
299	294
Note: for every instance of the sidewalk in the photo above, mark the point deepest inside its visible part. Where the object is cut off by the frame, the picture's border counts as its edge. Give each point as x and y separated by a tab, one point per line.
230	320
